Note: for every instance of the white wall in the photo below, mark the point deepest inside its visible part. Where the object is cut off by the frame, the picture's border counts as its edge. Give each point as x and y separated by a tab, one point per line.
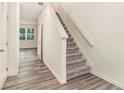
13	38
54	45
29	43
105	23
3	40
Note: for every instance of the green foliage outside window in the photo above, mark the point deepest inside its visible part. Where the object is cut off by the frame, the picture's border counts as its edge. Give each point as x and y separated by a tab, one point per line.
22	33
30	37
27	33
30	34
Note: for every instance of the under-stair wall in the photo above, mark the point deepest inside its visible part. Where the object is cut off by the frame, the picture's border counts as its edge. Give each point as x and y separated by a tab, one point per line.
54	44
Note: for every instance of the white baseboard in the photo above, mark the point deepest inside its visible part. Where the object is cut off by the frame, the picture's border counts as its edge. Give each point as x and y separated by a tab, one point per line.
2	80
108	79
56	76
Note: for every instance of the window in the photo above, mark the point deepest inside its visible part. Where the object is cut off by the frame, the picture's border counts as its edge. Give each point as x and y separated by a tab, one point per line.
22	33
27	33
30	34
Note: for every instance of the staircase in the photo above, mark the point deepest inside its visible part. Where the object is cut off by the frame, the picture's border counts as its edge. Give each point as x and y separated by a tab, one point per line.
76	64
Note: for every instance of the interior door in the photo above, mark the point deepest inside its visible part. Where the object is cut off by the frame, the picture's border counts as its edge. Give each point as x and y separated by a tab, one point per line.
3	42
40	30
39	41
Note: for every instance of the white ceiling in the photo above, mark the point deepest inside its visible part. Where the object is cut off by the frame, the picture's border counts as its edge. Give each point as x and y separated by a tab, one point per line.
30	11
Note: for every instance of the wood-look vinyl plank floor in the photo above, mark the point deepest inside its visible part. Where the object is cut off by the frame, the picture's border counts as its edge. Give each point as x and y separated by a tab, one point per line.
34	75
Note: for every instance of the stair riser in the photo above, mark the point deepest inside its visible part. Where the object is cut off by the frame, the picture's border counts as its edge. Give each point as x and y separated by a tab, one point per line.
68	32
80	64
72	58
72	49
77	71
69	35
69	40
60	18
63	24
75	62
69	77
71	45
65	28
68	52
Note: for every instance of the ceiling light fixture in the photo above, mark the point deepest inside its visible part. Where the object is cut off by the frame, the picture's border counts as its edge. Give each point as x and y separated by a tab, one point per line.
40	3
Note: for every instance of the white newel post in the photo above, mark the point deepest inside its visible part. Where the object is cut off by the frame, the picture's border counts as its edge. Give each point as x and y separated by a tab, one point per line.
64	39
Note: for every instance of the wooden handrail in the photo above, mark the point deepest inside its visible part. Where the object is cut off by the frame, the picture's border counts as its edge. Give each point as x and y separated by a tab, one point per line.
58	24
84	33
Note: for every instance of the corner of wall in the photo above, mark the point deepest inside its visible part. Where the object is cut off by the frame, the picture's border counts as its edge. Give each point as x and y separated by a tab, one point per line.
61	81
2	80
